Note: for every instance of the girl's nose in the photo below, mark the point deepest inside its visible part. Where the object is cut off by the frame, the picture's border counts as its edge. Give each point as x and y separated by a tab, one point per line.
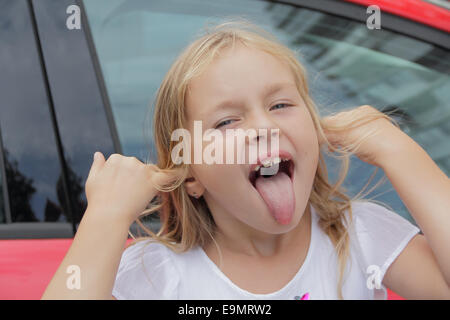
265	142
266	133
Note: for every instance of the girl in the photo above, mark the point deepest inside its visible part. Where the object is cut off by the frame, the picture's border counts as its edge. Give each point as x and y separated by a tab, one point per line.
228	232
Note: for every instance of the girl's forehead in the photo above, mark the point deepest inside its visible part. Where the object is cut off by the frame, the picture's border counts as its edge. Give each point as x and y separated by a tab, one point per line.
239	60
236	73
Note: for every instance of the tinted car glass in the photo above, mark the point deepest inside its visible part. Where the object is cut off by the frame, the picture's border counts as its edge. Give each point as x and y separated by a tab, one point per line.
348	65
2	199
80	109
32	166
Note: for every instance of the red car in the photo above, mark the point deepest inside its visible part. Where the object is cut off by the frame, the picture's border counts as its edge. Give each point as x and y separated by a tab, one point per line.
67	91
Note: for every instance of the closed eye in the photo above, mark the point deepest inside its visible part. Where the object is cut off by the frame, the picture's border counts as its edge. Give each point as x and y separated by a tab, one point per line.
275	107
223	123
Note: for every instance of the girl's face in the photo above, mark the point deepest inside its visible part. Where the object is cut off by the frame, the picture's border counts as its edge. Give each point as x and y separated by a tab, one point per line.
255	90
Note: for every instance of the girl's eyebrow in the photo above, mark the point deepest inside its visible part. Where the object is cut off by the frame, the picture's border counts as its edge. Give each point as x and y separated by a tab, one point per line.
267	91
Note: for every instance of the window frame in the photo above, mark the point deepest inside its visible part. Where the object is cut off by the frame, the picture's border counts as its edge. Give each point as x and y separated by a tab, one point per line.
389	21
24	230
43	230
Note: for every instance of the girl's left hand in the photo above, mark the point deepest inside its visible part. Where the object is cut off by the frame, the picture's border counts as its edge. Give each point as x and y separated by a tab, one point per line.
373	138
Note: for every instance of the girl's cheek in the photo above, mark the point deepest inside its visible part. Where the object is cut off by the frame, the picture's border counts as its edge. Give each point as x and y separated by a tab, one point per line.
302	132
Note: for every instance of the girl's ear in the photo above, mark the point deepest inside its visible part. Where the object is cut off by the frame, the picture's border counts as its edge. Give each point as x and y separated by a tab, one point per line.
193	187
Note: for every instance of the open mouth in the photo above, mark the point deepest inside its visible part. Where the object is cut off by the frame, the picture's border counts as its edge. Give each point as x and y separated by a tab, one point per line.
268	170
272	177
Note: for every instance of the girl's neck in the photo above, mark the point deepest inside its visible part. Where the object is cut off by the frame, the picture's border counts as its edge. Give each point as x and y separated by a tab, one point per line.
267	245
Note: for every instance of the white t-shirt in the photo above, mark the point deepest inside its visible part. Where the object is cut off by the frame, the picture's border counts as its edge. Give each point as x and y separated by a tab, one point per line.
149	270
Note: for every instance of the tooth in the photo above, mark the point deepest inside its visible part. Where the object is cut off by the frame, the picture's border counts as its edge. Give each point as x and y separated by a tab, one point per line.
276	160
257	168
266	163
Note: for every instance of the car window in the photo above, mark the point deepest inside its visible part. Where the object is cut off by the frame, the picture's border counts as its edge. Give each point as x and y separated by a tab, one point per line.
80	105
30	157
348	65
2	201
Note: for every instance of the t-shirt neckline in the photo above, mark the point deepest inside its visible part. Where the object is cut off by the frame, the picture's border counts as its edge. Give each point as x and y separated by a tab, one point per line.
219	272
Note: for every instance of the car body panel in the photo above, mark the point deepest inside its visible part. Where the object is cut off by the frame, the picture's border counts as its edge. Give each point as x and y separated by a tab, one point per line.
415	10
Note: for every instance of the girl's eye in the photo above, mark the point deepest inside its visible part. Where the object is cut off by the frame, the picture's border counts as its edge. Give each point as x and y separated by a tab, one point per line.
223	123
275	107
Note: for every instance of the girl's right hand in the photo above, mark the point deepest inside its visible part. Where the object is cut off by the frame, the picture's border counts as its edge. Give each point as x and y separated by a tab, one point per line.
120	188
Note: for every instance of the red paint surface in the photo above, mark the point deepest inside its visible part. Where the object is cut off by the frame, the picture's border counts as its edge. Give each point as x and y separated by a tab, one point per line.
416	10
27	266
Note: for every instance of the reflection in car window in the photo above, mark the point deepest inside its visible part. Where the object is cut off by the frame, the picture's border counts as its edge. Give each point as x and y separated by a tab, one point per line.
77	99
348	65
2	202
33	171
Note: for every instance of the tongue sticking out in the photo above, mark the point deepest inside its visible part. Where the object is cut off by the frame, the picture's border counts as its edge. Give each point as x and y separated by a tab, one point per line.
278	193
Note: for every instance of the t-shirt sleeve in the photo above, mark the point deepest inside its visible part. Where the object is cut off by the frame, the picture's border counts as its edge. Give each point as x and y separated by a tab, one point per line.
146	272
381	236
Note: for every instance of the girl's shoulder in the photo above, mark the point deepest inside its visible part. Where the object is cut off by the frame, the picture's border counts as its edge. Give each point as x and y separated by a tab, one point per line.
142	248
375	218
378	235
146	271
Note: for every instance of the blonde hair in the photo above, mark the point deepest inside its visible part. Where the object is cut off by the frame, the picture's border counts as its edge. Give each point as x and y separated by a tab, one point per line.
187	222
